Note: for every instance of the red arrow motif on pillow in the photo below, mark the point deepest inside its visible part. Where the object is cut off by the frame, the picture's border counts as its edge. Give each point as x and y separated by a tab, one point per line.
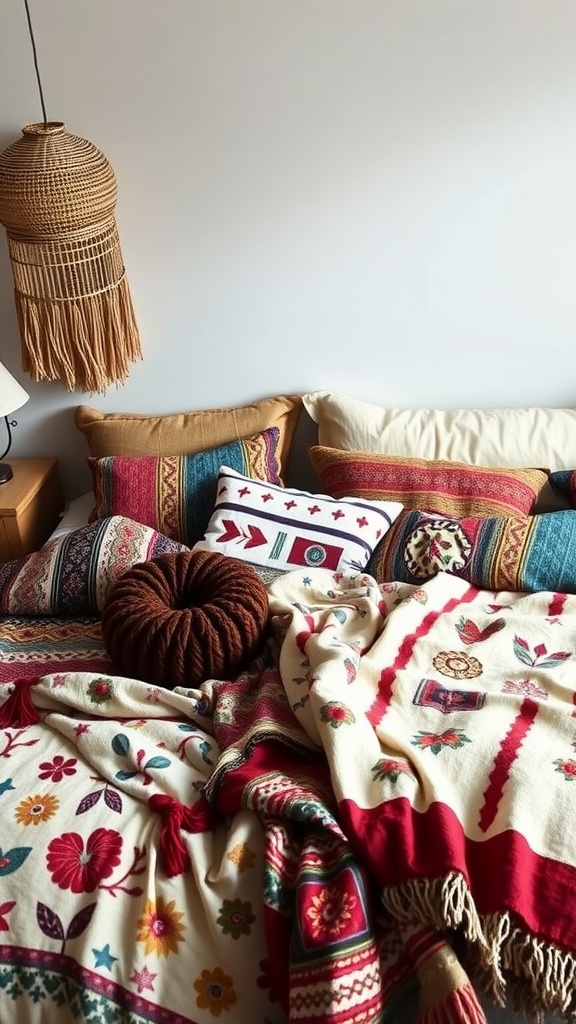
256	538
231	531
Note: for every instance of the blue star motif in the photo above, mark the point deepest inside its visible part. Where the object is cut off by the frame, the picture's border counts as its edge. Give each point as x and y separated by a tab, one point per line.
306	581
6	785
103	957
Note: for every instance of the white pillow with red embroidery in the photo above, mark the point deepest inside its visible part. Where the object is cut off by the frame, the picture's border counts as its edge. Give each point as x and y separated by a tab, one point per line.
284	529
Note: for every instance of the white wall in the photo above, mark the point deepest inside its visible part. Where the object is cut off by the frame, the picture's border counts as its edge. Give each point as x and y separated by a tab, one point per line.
375	196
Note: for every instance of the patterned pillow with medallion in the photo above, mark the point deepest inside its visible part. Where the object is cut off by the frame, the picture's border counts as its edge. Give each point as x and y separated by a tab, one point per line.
283	528
513	553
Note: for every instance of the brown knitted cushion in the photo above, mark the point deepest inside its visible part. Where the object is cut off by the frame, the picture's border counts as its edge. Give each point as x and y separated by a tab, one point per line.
186	617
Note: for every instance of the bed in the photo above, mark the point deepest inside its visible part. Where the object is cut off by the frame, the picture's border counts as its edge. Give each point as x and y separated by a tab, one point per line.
345	791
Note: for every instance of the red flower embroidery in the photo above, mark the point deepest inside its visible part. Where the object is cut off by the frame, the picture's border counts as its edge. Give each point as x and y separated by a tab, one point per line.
100	690
451	738
58	768
567	768
81	869
336	714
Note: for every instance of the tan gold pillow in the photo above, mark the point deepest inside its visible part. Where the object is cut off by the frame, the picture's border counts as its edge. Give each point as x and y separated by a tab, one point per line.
449	488
186	433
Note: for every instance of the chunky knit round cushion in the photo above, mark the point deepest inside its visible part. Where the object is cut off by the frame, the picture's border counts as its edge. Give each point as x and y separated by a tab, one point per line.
185	617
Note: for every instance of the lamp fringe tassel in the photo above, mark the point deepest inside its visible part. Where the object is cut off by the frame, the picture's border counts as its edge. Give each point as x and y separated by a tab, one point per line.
87	342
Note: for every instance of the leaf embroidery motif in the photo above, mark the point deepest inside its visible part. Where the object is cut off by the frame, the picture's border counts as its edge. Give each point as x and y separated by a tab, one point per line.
49	922
13	859
121	744
51	925
112	799
88	801
540	658
121	747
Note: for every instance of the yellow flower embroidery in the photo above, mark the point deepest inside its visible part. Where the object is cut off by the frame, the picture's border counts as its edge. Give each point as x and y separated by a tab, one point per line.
160	927
215	991
242	856
457	665
35	809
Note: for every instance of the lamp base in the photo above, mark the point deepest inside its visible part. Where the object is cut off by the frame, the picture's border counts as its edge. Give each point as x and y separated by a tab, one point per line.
6	473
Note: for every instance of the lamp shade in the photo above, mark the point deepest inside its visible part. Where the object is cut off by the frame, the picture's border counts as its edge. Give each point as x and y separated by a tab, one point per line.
57	201
12	395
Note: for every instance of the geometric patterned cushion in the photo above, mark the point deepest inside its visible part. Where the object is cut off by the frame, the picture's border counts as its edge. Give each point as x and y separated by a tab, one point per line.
514	553
175	494
283	528
451	488
72	574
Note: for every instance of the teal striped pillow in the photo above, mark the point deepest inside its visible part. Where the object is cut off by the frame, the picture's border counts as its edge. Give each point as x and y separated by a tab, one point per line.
175	494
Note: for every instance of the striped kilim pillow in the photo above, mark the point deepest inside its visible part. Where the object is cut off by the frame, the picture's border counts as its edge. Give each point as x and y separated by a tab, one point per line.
452	488
175	494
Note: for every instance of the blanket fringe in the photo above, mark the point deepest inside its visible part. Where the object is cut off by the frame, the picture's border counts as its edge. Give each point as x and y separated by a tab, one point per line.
439	902
509	964
18	710
536	975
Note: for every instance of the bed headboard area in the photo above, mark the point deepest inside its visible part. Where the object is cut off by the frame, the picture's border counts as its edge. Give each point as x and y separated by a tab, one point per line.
518	459
514	437
489	494
506	437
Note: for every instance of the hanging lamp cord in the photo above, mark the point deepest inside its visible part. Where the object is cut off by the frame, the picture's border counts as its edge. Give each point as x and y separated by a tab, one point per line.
32	40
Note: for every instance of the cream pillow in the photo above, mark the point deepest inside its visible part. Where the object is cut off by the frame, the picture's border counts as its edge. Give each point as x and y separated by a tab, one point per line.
541	437
488	437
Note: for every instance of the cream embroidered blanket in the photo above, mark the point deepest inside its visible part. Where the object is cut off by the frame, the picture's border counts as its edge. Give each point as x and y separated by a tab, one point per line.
447	716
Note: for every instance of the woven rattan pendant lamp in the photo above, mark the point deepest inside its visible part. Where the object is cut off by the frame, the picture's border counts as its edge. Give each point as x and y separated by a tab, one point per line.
57	203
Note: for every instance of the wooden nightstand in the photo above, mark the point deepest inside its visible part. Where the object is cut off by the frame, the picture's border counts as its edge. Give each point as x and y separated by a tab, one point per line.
30	504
